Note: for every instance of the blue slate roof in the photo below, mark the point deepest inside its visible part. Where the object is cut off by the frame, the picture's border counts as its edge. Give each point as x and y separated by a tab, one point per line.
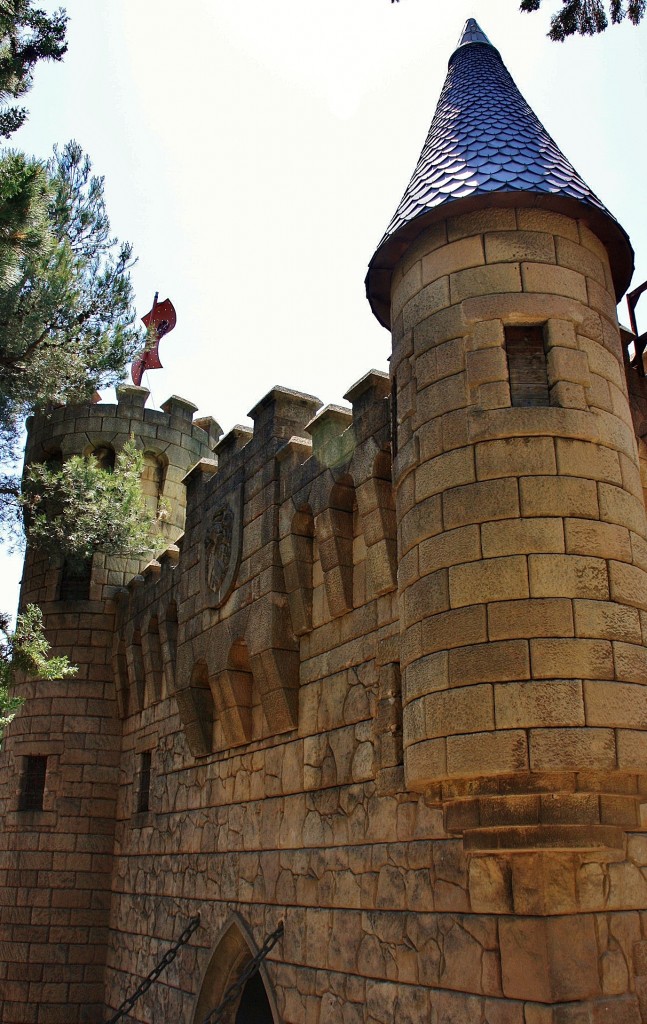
484	147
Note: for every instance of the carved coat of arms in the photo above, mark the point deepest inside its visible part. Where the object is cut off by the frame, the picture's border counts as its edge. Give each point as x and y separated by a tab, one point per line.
222	549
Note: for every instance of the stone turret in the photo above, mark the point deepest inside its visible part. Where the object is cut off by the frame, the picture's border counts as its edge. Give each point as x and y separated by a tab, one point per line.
519	502
64	747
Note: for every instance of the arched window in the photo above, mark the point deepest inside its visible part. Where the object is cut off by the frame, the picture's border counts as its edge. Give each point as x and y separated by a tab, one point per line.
105	456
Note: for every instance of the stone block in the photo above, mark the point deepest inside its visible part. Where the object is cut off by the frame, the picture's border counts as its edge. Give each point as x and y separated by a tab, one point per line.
600	540
451	469
486	365
558	496
430	439
451	712
514	246
492	579
522	536
628	584
479	221
426	597
515	456
631	662
601	299
615	705
426	675
487	753
536	219
631	477
490	885
424	520
428	300
487	280
495	395
487	334
542	277
556	749
481	502
581	459
441	398
568	576
438	328
408	285
490	662
571	659
425	763
450	358
602	362
607	620
560	333
450	548
533	705
618	506
549	959
566	364
459	255
454	629
578	257
533	618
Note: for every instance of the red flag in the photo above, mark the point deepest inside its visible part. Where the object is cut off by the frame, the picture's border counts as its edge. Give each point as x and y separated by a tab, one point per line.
158	322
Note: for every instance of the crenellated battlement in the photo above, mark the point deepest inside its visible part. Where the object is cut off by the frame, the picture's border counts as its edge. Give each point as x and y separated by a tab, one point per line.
284	533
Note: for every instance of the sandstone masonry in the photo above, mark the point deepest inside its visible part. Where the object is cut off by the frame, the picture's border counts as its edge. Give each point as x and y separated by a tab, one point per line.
386	682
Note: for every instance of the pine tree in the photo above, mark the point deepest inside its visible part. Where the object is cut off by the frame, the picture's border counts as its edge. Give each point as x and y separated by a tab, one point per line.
67	320
27	36
588	17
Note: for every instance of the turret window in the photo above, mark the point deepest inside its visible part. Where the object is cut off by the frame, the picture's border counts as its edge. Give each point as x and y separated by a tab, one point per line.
76	576
32	783
526	354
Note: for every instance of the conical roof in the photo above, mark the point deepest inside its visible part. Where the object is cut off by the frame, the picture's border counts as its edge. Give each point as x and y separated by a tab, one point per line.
486	147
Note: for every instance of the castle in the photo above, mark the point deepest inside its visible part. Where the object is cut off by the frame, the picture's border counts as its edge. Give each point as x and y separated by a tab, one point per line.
386	685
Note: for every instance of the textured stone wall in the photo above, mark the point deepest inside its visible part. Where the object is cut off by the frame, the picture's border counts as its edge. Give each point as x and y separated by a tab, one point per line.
398	707
522	528
56	863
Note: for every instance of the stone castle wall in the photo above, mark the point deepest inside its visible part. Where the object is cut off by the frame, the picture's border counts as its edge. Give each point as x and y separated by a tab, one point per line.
389	683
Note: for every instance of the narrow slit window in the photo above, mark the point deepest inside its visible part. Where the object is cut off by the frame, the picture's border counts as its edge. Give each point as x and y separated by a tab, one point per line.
32	785
527	366
143	796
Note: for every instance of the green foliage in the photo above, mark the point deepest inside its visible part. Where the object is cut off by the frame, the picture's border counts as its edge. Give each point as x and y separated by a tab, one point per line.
25	650
76	508
588	17
67	320
24	227
27	36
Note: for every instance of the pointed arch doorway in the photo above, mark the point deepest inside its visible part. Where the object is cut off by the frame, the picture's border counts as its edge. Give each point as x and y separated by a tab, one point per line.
234	950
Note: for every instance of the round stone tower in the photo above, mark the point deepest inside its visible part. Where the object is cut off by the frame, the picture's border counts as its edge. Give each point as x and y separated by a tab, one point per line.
521	519
60	755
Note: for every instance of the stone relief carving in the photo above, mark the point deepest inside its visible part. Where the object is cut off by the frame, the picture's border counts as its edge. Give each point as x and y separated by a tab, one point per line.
222	549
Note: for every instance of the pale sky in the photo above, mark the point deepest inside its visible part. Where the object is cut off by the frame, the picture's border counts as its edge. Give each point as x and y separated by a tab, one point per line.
254	152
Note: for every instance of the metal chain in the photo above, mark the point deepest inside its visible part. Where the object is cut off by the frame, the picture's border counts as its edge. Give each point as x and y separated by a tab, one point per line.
167	959
235	990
